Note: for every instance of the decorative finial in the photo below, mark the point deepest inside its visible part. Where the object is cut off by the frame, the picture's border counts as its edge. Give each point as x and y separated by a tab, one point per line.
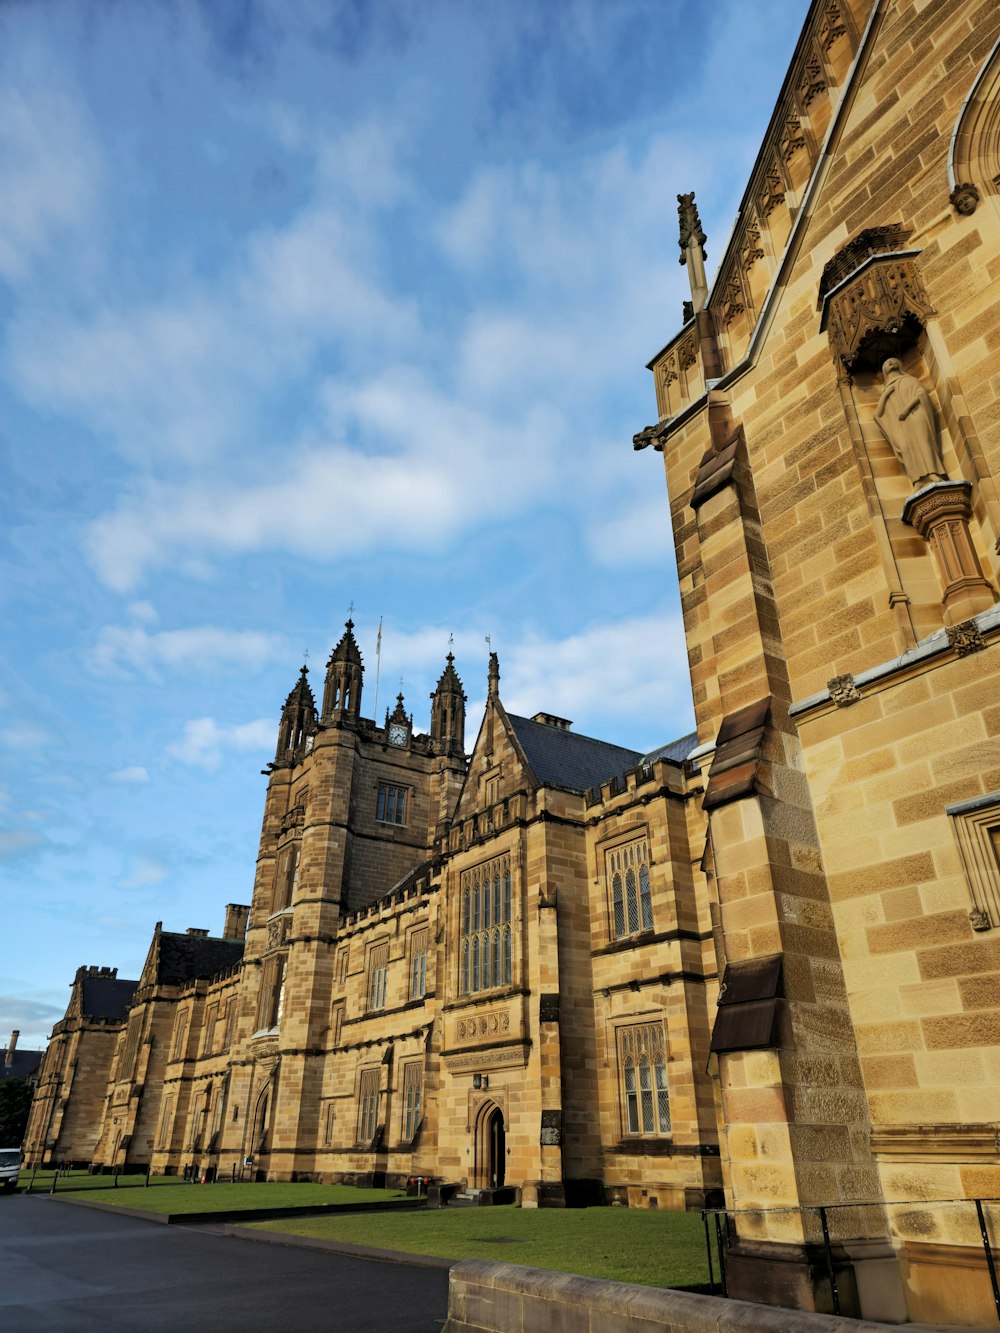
691	229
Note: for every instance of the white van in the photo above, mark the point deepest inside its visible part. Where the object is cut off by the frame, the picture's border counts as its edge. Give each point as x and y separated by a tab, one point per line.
10	1165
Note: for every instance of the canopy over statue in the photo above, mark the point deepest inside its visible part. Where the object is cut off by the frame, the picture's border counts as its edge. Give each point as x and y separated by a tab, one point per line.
905	416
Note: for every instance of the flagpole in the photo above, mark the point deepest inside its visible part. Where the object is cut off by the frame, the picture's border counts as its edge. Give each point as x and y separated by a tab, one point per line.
378	667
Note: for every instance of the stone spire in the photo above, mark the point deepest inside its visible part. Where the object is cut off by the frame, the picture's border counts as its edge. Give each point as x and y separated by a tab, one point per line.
298	719
692	243
448	711
344	675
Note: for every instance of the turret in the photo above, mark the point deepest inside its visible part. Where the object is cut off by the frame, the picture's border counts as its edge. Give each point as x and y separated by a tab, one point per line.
448	712
298	719
344	674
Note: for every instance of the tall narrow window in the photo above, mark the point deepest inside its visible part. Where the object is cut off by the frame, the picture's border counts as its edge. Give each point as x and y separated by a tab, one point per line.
643	1067
286	877
272	993
331	1116
166	1118
412	1092
390	804
628	879
368	1101
378	968
485	951
337	1025
131	1051
180	1035
211	1018
231	1014
418	964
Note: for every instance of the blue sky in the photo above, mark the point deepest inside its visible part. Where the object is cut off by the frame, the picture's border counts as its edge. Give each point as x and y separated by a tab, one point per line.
308	303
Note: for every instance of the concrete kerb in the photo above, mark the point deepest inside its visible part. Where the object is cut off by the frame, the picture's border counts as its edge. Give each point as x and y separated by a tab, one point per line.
486	1297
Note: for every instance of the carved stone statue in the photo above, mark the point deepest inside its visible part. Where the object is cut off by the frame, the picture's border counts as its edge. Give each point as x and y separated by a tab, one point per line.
905	416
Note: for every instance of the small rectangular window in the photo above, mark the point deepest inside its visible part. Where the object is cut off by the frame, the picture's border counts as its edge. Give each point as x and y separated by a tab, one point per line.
390	804
342	959
211	1018
180	1035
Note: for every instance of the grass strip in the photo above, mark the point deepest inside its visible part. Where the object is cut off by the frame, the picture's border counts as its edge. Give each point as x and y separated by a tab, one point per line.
657	1249
166	1195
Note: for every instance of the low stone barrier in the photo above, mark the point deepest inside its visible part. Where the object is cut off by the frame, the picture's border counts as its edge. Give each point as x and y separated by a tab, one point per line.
488	1297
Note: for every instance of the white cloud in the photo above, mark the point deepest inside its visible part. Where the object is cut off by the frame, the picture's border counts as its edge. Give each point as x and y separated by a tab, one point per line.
51	169
17	842
408	487
146	870
122	649
205	741
129	777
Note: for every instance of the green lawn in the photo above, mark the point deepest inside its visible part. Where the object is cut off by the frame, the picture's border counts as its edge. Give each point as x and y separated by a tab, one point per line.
168	1195
658	1249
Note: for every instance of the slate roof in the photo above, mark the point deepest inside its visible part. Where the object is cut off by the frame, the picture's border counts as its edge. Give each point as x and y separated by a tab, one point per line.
24	1064
677	750
566	759
186	958
106	997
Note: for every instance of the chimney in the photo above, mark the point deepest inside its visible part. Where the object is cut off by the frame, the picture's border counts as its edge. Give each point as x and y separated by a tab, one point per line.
237	916
550	720
198	931
12	1047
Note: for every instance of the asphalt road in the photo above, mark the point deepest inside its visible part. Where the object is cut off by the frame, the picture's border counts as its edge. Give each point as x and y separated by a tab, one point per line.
63	1267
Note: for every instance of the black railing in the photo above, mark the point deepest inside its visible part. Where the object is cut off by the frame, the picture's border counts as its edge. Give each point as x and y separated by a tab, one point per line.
726	1228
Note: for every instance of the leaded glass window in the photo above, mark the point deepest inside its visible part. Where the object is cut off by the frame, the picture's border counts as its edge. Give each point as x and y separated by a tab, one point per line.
642	1061
628	878
485	948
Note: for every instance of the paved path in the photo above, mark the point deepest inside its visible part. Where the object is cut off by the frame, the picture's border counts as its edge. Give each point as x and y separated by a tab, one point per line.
69	1268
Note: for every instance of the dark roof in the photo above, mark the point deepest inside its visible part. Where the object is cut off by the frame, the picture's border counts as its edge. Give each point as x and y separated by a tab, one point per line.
562	758
24	1064
186	958
106	997
676	750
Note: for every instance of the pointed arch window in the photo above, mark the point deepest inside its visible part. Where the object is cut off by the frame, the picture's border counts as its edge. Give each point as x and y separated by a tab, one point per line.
627	871
642	1062
485	949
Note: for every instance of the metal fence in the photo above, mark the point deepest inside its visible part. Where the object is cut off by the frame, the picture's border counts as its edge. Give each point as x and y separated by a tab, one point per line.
722	1229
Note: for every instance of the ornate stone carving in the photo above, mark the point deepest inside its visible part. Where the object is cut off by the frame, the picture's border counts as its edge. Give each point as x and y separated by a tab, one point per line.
872	241
687	352
905	416
733	302
964	199
980	920
966	638
792	138
885	298
940	512
812	82
752	250
277	932
772	190
690	222
495	1022
843	690
832	25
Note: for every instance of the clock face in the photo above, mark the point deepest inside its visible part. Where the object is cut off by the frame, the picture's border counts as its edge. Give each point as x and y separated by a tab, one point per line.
397	733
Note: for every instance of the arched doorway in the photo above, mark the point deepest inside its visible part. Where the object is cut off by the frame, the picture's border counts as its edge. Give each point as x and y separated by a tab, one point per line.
491	1149
497	1150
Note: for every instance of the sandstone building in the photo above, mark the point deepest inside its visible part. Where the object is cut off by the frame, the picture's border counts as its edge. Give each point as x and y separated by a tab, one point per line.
766	958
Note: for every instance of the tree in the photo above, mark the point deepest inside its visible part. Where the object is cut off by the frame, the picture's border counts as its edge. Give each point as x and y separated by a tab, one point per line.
15	1103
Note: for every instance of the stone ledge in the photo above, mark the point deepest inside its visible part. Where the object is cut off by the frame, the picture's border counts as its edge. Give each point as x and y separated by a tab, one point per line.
486	1297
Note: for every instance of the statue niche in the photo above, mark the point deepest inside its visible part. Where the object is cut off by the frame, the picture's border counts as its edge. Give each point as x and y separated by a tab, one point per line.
905	416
